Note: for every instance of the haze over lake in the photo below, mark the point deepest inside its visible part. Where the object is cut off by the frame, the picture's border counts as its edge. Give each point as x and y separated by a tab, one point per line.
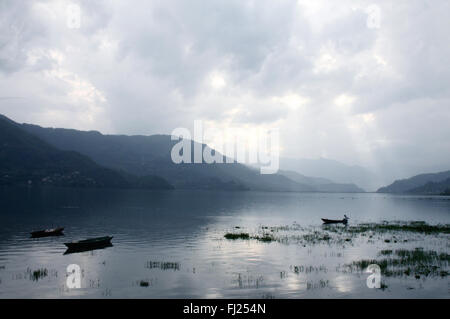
174	241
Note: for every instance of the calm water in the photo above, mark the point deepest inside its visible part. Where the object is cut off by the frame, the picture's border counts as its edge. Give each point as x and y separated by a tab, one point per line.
174	240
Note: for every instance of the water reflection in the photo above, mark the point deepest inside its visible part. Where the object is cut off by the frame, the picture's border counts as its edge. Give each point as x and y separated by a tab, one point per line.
174	241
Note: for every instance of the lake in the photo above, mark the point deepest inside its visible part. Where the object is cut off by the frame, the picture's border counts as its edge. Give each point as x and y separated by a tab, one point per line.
171	244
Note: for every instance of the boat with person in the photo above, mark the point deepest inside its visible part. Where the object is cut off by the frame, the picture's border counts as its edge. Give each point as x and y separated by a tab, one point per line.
336	221
47	232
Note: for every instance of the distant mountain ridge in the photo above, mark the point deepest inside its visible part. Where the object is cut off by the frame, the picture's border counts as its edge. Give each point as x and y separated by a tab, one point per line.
333	170
150	155
145	161
27	160
433	188
433	183
319	184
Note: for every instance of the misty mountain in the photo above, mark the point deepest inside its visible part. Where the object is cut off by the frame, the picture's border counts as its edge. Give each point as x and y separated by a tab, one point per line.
333	170
27	160
150	155
442	187
434	183
322	184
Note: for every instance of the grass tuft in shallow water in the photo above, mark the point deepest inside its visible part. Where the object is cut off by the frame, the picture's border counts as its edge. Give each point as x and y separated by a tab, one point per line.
38	274
385	252
237	236
414	226
264	238
417	262
162	265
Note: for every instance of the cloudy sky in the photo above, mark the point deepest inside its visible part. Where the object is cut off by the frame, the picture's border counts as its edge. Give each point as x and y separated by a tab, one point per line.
348	80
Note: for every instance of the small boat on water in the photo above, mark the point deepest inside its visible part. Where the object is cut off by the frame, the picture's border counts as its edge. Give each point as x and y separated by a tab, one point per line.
47	232
336	221
89	244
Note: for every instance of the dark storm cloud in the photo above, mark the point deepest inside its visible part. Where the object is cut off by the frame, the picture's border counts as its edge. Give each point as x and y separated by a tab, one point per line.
336	84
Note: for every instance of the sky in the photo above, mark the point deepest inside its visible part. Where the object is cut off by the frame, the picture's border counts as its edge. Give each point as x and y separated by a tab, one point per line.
362	83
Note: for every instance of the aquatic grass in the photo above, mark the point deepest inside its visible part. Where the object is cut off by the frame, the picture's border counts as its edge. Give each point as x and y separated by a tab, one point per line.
414	226
285	228
316	285
107	292
38	274
316	237
94	283
264	238
235	236
342	234
309	269
417	262
420	255
162	265
249	281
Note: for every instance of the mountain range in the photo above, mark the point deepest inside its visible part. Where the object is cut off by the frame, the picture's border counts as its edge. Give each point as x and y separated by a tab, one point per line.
319	184
30	154
433	184
333	170
27	160
135	161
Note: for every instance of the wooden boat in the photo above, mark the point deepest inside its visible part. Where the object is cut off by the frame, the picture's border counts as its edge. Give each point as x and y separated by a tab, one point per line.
336	221
90	244
47	232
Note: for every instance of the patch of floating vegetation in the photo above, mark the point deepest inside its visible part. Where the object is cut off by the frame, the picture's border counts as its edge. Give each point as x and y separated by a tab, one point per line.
316	236
344	235
263	238
309	269
162	265
143	283
237	236
38	274
315	285
293	227
107	292
398	226
403	262
94	283
249	281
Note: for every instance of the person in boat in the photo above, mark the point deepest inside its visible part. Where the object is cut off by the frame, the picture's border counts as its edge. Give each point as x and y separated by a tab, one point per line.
345	220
